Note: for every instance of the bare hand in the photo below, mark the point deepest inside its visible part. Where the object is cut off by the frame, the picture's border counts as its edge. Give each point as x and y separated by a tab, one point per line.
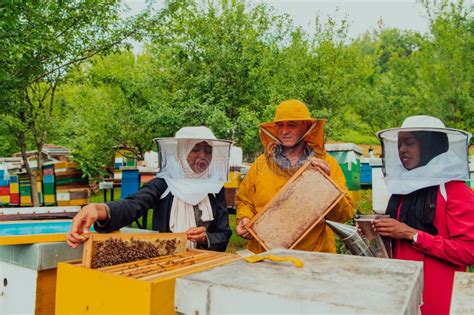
197	234
394	229
323	165
83	221
242	231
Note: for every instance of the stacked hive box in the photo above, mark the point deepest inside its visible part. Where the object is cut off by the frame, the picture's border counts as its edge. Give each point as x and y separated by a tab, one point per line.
122	159
119	162
72	189
49	185
14	191
25	190
4	188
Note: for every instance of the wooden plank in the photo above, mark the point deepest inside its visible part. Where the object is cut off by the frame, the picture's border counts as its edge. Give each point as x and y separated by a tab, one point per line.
88	253
296	209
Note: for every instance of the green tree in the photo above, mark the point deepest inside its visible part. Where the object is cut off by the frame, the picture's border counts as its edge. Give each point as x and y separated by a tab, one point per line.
447	66
414	74
40	42
215	63
106	103
391	93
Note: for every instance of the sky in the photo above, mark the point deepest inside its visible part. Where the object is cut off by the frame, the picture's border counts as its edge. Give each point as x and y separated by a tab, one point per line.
363	16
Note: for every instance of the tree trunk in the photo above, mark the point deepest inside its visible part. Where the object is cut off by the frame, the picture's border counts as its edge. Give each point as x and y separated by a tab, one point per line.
34	189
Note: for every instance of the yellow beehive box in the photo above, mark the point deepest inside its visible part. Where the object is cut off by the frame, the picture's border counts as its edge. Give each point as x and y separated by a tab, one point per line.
14	188
78	202
25	200
234	180
5	199
140	287
49	198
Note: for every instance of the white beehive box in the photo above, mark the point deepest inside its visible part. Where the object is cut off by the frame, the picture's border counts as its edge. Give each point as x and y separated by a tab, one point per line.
380	194
462	301
327	284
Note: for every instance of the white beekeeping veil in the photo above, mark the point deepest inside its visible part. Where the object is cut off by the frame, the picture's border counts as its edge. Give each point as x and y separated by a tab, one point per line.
443	155
175	170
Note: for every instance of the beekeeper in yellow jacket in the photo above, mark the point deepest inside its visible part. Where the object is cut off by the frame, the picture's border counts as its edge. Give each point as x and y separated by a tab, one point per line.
289	141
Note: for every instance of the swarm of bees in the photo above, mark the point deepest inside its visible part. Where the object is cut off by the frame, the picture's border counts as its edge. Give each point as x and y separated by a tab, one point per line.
117	251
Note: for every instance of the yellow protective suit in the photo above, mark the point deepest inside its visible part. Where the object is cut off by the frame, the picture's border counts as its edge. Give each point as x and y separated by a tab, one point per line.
265	178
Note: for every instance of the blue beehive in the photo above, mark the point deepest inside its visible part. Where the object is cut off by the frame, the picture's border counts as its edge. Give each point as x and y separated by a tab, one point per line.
130	182
366	174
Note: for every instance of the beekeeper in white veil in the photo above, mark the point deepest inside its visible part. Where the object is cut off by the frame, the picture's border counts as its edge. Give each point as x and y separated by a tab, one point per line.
187	196
431	208
443	155
194	164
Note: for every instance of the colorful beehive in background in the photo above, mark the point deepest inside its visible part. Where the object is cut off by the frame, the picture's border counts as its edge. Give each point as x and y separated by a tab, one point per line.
4	187
231	187
49	189
123	158
73	197
119	162
72	189
130	182
14	190
25	190
365	173
348	157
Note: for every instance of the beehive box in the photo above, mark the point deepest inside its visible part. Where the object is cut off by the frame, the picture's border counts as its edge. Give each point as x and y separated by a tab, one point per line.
463	292
297	207
140	287
326	284
28	272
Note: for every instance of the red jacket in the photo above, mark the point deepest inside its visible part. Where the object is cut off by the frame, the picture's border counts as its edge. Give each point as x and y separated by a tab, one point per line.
452	249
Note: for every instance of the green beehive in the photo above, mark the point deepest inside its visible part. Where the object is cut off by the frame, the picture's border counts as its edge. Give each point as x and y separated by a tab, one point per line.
348	156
